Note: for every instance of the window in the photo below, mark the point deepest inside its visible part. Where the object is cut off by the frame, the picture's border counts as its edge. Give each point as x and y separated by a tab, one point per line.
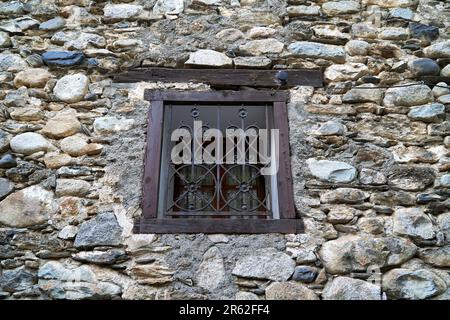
200	176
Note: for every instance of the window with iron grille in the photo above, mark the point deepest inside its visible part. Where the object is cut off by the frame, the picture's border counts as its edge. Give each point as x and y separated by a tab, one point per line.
228	192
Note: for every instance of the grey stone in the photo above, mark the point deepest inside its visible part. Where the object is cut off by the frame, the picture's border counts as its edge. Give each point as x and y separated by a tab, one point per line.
103	230
371	176
122	11
68	233
391	33
72	187
11	8
439	129
345	288
351	253
4	140
109	124
305	274
434	112
6	187
107	257
344	195
25	23
438	257
411	178
315	50
330	128
423	31
17	98
211	58
401	13
62	58
289	291
252	62
53	24
230	35
16	280
333	171
12	62
5	40
168	7
363	30
27	207
364	93
408	96
333	8
298	11
412	222
444	181
42	9
71	88
424	67
445	99
265	264
438	50
357	47
211	272
340	214
29	142
78	40
344	72
409	284
261	47
60	282
243	295
445	72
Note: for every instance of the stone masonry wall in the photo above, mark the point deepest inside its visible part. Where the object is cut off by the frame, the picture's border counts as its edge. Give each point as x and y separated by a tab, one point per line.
370	166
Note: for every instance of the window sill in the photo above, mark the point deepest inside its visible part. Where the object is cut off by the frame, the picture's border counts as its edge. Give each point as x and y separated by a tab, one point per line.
227	226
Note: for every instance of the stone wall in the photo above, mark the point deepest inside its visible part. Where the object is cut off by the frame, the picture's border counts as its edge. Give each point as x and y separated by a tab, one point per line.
371	166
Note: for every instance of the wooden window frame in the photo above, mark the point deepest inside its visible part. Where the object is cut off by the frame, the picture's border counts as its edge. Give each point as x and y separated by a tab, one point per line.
149	221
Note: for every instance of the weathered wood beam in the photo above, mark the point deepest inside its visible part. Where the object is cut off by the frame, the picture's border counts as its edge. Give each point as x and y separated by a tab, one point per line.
218	226
225	77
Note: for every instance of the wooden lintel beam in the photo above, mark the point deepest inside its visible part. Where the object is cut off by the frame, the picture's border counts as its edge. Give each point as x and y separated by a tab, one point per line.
225	77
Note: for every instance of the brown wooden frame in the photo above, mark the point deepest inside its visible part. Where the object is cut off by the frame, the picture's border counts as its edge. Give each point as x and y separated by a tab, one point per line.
150	223
225	77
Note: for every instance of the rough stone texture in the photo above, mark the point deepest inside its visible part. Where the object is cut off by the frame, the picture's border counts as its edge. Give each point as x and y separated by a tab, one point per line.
71	88
60	282
439	257
211	272
344	288
62	125
318	50
409	284
106	125
265	264
370	160
103	230
32	78
29	142
353	253
434	112
414	223
209	58
263	46
289	291
333	171
27	207
408	96
6	187
340	7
